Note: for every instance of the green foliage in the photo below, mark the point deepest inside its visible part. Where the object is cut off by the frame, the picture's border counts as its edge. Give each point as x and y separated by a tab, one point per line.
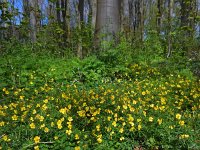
120	98
146	112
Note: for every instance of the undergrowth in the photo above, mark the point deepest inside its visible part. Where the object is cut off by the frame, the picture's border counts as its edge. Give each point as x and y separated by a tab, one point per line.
123	98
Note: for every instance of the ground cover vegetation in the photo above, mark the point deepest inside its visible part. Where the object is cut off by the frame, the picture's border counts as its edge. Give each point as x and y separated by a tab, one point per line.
109	101
66	83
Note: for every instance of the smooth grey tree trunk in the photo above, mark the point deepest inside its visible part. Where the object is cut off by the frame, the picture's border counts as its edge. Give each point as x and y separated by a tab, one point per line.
108	20
33	22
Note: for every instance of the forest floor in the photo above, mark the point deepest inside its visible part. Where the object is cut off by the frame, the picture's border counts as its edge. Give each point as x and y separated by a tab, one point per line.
55	103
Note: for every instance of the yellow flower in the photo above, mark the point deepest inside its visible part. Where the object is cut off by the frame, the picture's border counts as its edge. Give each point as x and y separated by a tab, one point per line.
108	118
112	97
64	95
159	121
41	118
68	132
70	119
121	130
171	127
114	123
144	112
121	138
36	147
150	119
14	117
37	139
7	92
34	111
181	122
63	111
184	136
46	129
139	127
46	101
81	113
44	107
42	126
178	116
21	97
125	107
2	123
5	138
69	106
55	137
77	148
98	127
143	93
76	136
130	118
52	124
32	126
99	140
59	124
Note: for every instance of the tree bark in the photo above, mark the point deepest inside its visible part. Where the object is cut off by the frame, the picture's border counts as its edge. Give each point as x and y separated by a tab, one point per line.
108	20
58	12
33	27
93	11
125	23
170	9
159	15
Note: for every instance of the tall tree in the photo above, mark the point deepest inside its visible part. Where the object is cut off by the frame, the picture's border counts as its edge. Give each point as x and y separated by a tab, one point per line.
159	15
108	20
125	23
170	12
3	17
33	22
93	11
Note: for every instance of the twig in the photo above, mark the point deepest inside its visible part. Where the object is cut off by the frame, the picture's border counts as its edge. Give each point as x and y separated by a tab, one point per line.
2	136
36	144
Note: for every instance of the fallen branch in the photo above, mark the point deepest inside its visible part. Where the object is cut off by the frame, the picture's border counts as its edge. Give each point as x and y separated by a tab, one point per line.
36	144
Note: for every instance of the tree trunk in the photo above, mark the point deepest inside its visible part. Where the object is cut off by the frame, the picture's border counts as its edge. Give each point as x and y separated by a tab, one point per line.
170	9
78	21
58	12
108	20
51	12
93	11
159	15
33	29
4	20
141	19
81	10
125	23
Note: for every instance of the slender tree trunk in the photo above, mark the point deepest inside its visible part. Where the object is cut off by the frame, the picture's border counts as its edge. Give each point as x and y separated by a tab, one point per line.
108	20
125	23
12	11
33	29
159	15
51	13
81	10
4	20
141	19
93	11
170	9
58	12
78	21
